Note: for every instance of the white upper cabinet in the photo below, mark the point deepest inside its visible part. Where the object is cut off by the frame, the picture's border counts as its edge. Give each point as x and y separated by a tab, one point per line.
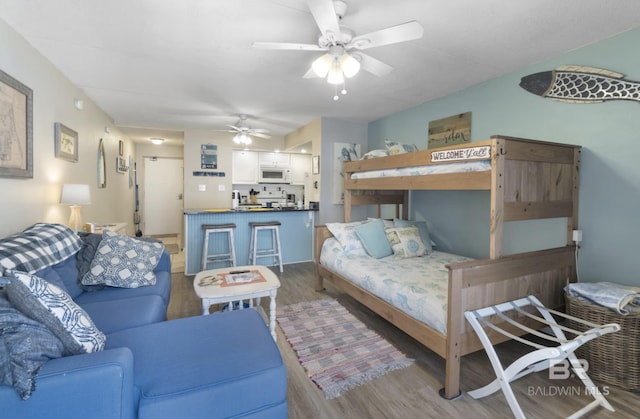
244	167
300	168
273	159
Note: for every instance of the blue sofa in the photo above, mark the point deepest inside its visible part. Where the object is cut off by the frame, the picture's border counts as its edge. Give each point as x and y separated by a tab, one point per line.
221	365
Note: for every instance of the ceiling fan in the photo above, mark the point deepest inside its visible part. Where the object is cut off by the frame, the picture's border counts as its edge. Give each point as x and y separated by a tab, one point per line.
343	56
244	132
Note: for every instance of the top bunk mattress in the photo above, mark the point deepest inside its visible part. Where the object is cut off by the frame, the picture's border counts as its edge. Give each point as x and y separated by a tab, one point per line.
417	286
459	167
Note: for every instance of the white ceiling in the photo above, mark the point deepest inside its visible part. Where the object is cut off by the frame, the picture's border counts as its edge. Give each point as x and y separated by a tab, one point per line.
158	67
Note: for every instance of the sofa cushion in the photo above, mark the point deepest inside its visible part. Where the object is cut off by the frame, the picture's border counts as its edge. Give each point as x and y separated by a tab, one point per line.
120	314
184	371
50	305
25	345
161	288
38	247
122	261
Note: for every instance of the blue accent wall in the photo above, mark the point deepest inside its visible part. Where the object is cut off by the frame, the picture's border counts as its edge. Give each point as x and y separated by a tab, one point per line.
609	133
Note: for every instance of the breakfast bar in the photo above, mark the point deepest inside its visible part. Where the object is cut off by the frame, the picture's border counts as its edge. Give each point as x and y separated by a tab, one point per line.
296	233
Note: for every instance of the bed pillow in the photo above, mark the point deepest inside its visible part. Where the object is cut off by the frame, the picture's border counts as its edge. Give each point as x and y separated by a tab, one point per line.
51	306
25	345
373	238
124	262
346	235
394	147
405	242
422	229
374	154
387	223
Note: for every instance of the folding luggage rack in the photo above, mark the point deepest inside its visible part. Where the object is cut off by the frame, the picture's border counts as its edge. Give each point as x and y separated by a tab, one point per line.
542	357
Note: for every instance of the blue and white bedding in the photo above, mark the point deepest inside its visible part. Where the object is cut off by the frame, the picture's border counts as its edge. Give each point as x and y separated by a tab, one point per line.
434	169
417	286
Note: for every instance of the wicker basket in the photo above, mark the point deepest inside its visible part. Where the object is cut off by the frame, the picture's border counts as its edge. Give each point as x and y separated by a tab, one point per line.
613	358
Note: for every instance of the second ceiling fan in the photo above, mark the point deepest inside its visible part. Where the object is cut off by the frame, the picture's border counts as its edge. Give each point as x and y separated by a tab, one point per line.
343	56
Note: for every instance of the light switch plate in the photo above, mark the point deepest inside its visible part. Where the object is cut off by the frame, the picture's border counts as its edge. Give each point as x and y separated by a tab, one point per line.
221	188
202	188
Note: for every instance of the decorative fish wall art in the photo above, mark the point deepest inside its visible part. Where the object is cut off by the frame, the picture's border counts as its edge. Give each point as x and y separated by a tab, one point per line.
579	84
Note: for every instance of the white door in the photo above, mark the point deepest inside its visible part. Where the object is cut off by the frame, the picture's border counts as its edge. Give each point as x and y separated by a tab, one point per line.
163	204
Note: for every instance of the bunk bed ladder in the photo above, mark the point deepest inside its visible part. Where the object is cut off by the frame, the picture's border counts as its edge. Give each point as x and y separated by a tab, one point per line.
542	357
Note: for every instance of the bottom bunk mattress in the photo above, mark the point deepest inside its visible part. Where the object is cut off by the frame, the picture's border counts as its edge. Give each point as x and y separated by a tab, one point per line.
417	286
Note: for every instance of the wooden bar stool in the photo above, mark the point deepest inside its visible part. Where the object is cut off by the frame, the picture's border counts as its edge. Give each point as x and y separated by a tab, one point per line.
274	251
230	256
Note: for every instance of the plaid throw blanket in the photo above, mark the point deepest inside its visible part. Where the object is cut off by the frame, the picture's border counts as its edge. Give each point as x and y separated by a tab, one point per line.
38	247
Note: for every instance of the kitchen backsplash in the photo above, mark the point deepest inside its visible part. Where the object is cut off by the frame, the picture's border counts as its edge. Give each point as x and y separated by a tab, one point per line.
271	192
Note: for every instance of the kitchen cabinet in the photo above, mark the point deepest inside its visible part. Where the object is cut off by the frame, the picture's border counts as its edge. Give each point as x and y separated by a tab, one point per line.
273	159
244	167
300	168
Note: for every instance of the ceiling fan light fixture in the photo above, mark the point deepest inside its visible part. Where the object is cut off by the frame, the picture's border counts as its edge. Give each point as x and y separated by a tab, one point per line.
322	65
242	138
336	76
157	141
350	66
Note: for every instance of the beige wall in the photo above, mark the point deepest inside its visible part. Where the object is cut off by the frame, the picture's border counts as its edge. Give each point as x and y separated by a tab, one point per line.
312	132
27	201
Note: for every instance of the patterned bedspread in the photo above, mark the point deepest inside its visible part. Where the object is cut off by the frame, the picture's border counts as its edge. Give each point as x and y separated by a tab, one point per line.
474	166
417	286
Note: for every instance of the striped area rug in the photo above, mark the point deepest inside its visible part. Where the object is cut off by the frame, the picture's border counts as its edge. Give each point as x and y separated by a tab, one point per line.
337	351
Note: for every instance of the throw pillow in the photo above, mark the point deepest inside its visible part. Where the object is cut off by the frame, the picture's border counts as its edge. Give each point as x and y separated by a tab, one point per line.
375	154
398	148
347	237
374	239
124	262
25	345
85	256
422	228
51	306
405	242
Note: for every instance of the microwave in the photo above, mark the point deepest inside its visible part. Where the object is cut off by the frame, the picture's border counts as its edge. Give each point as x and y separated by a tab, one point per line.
274	175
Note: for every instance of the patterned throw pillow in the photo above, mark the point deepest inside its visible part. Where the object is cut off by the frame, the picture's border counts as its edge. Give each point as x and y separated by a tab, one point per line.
422	228
51	306
394	147
124	262
347	237
405	242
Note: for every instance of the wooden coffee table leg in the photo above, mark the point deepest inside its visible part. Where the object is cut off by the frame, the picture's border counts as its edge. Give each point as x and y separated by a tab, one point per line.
272	314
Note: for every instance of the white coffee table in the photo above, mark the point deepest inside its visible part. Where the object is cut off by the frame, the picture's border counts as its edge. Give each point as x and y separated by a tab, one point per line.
212	288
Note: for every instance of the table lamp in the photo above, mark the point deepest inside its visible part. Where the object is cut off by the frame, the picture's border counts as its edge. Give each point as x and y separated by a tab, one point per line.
75	195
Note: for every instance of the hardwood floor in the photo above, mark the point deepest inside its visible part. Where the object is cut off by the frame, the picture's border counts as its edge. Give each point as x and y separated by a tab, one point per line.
411	392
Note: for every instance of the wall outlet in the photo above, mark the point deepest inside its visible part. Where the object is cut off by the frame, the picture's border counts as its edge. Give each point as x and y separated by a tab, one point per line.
577	236
202	188
221	188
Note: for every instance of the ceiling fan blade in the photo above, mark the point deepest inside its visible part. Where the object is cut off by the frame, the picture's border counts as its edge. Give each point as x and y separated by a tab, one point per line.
287	46
260	135
392	35
260	130
223	130
325	15
310	74
372	65
234	128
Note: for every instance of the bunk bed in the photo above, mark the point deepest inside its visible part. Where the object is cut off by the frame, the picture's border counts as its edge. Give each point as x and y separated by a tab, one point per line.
526	179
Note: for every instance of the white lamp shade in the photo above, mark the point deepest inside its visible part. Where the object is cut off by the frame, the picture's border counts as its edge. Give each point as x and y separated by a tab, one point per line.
335	74
350	66
75	194
322	65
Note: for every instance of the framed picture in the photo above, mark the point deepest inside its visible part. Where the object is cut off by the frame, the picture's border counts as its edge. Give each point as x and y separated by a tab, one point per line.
16	128
315	165
121	148
121	165
66	143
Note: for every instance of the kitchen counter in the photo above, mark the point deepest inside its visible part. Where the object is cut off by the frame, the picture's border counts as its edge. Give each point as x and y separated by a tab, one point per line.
241	209
296	234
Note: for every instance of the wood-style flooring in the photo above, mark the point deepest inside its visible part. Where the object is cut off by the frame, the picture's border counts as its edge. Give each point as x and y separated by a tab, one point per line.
411	392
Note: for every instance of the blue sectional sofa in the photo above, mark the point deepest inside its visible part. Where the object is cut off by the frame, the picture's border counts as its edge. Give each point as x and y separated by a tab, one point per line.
218	366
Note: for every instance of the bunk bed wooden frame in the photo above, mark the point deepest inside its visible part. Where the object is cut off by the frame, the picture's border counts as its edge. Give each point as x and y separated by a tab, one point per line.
528	180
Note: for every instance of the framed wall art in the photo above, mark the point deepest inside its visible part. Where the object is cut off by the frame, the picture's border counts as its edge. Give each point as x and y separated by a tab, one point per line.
16	128
315	165
66	143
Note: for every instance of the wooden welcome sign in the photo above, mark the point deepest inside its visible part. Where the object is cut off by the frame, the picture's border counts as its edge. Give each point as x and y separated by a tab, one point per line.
450	131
